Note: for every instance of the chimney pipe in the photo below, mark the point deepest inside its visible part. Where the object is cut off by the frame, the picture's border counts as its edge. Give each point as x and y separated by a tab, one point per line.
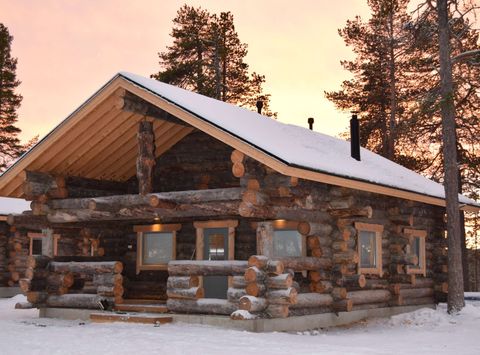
310	123
355	137
259	106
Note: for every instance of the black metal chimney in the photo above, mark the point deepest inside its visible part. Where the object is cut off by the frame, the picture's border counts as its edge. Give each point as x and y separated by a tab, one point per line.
355	137
310	123
259	106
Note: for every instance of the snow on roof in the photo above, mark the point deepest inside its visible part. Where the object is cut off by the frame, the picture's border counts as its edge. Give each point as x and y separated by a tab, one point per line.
13	205
294	145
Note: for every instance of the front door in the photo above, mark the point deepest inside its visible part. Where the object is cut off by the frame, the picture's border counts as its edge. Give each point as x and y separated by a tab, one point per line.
215	248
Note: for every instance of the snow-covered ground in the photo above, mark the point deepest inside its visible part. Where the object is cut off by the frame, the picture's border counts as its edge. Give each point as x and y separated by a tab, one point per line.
422	332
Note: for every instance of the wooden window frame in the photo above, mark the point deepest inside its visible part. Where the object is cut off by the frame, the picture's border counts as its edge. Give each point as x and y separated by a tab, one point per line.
378	230
32	236
422	262
200	226
160	228
278	224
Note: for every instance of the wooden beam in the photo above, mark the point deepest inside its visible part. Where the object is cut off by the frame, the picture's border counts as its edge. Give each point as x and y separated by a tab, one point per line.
132	103
146	157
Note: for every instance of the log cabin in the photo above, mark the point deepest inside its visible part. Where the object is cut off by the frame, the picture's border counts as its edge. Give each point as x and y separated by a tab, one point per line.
150	197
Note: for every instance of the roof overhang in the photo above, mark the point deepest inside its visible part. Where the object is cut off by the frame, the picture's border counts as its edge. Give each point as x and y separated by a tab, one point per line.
98	111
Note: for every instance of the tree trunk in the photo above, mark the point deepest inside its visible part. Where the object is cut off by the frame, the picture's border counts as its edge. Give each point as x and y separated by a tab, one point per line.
455	274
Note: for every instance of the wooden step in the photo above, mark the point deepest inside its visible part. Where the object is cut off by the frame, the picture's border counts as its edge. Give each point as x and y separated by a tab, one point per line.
109	317
148	308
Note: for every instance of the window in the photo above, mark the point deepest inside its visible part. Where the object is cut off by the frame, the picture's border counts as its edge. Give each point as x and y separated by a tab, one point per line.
417	248
369	244
38	244
280	238
156	246
287	242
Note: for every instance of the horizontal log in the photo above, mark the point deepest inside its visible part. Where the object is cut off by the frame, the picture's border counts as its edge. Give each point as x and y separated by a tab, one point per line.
305	263
166	199
253	274
259	261
186	293
369	296
107	279
418	301
234	294
238	282
183	281
60	280
74	301
207	267
344	305
319	275
349	256
242	315
277	311
321	286
110	291
92	267
252	304
255	289
202	306
28	220
24	305
187	210
352	281
416	292
312	300
310	228
287	297
352	212
339	293
281	281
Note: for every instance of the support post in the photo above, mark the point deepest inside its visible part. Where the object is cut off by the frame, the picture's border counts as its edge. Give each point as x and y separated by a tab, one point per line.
146	157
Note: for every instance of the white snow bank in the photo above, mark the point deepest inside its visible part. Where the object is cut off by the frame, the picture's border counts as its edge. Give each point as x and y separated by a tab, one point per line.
293	144
13	205
421	332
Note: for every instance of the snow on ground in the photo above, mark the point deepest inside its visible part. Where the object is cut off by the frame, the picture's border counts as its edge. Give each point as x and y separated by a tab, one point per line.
425	331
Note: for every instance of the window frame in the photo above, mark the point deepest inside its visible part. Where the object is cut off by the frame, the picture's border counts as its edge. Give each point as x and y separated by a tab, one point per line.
154	228
41	236
378	230
412	233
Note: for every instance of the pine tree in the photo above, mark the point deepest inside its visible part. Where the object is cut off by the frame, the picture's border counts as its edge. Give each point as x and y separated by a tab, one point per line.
379	89
207	57
10	146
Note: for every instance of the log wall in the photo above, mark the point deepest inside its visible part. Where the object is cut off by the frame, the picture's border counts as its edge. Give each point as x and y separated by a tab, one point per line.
196	162
4	233
327	217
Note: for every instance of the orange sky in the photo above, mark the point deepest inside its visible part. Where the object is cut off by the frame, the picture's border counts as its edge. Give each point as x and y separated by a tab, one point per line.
66	50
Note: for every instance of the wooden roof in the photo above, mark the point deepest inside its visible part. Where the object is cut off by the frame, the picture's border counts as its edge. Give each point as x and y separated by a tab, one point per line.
98	141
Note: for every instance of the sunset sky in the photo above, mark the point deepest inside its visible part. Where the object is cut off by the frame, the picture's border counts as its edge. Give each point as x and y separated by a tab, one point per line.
67	50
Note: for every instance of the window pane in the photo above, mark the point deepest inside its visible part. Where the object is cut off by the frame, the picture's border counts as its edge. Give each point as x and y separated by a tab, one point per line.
287	243
416	250
37	246
157	248
368	253
216	247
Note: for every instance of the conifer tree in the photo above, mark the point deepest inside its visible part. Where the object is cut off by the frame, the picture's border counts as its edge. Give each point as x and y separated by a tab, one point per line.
207	57
10	146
